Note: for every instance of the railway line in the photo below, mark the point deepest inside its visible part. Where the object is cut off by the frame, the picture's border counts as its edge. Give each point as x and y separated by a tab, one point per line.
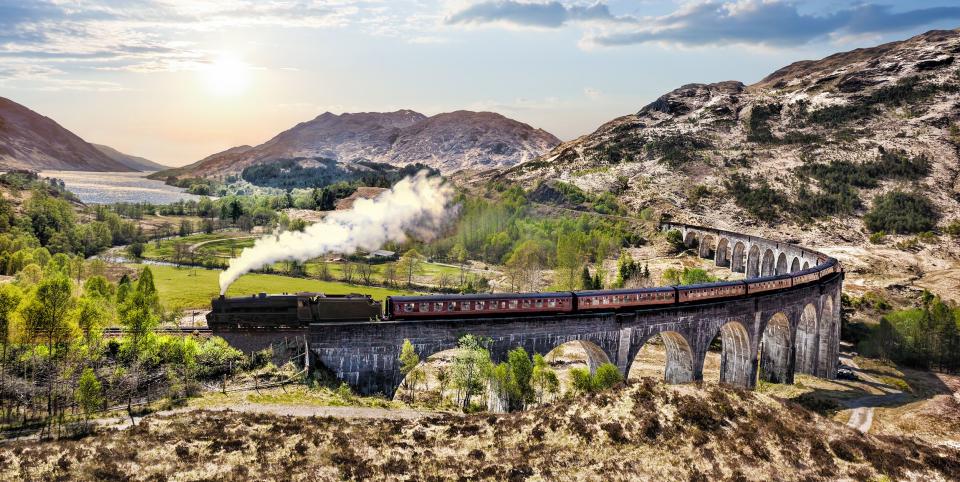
114	332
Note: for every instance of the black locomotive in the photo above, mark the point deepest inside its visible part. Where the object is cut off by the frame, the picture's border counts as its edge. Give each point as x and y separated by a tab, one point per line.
290	310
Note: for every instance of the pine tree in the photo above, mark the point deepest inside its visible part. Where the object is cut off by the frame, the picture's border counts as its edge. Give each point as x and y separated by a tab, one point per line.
586	281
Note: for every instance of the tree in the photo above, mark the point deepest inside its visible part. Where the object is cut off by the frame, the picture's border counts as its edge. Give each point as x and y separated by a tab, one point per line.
607	376
571	253
89	394
524	264
442	280
521	368
471	365
459	253
366	272
409	364
90	317
410	264
10	298
31	274
586	281
580	380
675	240
186	227
323	270
391	275
136	249
544	379
181	251
45	317
348	270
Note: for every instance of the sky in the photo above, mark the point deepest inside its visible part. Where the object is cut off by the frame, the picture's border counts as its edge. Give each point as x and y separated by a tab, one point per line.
178	80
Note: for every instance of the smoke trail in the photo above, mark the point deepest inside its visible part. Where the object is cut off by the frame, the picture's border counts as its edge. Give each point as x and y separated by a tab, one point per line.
415	203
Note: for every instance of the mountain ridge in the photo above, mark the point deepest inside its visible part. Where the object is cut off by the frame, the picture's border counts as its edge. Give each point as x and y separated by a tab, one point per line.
29	140
448	141
785	135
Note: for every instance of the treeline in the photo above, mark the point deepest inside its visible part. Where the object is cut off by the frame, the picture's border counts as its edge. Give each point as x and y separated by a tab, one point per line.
514	384
56	366
303	173
926	337
508	232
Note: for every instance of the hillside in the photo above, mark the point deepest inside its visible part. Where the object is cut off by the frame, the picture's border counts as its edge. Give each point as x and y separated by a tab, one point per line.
29	140
644	431
133	162
801	154
449	142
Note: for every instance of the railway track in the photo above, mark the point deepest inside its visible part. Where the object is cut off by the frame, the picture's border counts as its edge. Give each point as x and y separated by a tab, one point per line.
167	330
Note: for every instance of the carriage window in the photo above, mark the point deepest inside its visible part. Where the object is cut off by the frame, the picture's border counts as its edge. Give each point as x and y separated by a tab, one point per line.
424	306
451	306
465	306
526	303
503	305
408	307
539	303
552	303
513	304
559	302
481	304
438	307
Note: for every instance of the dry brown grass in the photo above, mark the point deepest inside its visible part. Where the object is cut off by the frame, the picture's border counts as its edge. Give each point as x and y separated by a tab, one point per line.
646	430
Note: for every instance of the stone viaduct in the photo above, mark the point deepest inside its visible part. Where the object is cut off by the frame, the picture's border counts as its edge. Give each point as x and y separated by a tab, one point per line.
768	336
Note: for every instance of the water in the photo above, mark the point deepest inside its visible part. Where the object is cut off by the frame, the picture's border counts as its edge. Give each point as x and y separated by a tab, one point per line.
113	187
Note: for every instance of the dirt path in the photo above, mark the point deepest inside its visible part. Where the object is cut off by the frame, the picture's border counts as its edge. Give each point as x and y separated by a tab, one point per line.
862	416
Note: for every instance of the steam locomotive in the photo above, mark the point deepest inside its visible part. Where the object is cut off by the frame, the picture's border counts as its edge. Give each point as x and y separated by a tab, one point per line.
301	309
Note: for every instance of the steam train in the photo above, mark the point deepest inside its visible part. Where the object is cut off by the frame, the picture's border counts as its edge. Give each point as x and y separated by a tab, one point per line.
301	309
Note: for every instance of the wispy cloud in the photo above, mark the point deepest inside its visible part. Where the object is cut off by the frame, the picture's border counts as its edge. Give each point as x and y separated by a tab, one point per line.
704	22
529	14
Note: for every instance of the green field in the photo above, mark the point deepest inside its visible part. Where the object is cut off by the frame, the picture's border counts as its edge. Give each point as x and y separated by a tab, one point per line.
218	244
194	288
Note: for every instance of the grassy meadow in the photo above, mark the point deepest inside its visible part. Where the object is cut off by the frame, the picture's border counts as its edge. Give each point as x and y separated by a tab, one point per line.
194	288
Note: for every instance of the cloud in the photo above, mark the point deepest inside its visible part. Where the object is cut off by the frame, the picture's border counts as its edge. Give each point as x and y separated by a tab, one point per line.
527	14
705	22
769	22
592	93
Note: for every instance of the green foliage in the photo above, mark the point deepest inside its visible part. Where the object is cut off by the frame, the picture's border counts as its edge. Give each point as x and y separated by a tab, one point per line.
687	276
925	337
677	149
759	126
89	395
543	379
606	376
675	239
216	357
471	367
756	197
521	370
901	212
953	229
878	237
909	91
409	360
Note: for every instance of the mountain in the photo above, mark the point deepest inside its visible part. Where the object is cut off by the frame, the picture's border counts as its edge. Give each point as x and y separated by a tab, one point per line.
133	162
804	152
29	140
449	142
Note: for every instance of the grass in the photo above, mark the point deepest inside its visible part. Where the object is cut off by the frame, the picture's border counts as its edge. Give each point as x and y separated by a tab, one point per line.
194	288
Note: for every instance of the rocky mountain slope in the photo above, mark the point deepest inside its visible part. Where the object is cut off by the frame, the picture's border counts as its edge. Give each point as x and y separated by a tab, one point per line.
801	154
133	162
449	142
29	140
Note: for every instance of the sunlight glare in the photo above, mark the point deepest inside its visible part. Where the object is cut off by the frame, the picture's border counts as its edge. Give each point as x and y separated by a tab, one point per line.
227	76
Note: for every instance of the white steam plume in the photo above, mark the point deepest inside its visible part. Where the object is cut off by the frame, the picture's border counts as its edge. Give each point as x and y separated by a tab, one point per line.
418	203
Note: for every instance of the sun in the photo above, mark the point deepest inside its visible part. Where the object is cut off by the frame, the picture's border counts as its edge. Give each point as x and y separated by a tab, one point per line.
227	76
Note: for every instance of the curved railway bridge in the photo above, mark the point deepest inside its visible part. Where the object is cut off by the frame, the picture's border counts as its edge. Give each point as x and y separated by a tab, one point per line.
768	335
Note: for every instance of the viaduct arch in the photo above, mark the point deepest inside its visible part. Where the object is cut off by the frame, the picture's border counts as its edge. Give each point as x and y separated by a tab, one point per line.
769	335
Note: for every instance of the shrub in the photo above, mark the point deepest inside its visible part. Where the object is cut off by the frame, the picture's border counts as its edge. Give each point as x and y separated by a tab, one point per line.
607	376
675	238
953	229
756	197
878	237
901	212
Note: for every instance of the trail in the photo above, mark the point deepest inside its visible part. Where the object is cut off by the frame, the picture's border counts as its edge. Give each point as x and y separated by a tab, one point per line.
863	408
